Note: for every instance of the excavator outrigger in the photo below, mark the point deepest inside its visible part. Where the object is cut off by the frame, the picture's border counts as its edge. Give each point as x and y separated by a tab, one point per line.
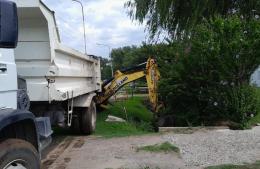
148	69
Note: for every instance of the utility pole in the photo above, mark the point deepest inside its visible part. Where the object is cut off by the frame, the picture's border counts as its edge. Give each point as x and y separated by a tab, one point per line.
84	26
109	50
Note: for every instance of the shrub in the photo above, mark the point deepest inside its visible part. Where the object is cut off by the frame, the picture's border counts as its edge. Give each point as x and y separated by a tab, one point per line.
208	77
240	104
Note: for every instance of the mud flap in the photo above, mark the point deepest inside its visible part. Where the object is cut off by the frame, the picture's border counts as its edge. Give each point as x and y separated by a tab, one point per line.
44	129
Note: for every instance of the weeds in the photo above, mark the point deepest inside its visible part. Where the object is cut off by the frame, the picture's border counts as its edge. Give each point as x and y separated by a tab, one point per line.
164	147
230	166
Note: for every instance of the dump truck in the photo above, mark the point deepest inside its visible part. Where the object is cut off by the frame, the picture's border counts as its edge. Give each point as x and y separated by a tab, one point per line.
60	82
43	83
22	135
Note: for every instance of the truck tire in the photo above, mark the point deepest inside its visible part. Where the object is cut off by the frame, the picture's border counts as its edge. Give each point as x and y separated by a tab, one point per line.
75	126
88	119
18	153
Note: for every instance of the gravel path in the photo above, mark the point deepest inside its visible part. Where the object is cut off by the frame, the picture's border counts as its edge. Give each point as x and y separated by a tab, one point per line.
206	148
200	149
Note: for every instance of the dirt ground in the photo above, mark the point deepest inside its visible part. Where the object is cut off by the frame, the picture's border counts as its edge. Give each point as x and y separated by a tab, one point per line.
115	153
199	149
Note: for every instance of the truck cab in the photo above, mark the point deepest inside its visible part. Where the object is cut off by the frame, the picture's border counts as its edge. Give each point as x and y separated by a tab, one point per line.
8	73
22	136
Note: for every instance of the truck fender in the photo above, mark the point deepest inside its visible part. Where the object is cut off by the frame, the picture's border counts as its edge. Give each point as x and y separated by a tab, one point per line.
84	100
10	117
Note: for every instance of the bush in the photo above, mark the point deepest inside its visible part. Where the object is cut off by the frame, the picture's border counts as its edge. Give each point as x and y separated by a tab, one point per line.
240	103
208	78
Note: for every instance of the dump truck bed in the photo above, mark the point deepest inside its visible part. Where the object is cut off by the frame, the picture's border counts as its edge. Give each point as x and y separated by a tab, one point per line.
53	72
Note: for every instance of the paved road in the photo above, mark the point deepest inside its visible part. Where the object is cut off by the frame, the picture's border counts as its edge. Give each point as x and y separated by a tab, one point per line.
199	149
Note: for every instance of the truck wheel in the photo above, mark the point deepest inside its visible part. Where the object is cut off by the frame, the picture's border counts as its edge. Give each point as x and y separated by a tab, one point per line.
18	154
75	126
88	119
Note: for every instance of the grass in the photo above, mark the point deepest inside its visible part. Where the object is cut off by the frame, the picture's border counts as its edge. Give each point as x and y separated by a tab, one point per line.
139	168
164	147
137	115
229	166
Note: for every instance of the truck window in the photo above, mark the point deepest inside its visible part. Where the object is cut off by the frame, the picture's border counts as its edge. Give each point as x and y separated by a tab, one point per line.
8	24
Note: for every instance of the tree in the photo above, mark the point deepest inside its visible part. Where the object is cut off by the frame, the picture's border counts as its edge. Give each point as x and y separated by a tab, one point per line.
178	17
128	56
208	78
105	69
122	57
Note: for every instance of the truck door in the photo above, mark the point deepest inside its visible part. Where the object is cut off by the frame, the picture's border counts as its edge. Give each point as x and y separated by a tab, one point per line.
8	41
8	79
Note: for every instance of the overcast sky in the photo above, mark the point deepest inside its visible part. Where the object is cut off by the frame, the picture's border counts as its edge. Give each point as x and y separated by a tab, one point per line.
107	22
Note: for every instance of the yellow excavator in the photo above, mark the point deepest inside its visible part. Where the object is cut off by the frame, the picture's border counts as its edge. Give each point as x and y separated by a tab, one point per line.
148	69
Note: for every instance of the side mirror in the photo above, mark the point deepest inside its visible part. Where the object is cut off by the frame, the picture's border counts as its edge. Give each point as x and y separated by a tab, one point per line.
8	24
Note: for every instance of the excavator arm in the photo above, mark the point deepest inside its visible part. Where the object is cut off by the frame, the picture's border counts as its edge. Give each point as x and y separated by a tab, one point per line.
148	69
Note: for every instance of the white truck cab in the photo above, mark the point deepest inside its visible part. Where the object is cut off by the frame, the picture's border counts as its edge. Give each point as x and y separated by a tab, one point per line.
8	41
8	79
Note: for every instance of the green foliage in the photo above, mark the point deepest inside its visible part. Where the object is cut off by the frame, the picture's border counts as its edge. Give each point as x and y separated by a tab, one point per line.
210	74
138	119
256	119
212	53
164	147
206	78
105	69
124	57
240	104
178	17
130	56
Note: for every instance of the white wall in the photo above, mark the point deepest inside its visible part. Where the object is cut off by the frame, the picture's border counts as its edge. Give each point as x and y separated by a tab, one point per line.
255	79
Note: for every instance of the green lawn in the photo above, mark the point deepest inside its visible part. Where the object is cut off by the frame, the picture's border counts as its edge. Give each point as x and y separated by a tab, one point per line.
246	166
138	118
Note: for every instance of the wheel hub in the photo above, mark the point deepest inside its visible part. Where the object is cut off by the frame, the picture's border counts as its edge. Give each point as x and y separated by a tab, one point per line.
16	164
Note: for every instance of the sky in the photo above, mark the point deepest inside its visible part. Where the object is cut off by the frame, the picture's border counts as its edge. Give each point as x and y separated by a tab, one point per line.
107	22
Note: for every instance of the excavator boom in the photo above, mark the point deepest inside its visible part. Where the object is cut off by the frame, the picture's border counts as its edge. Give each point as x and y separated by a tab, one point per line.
148	69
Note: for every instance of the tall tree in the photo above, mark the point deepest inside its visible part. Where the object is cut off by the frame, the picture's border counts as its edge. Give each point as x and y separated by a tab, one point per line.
105	68
178	17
